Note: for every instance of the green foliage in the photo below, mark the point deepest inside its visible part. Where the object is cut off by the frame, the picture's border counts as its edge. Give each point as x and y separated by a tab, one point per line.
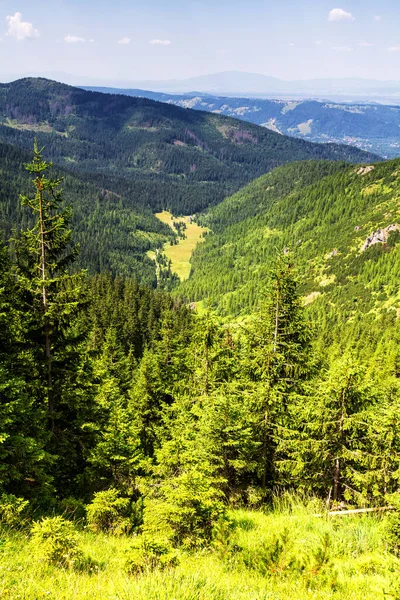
183	509
73	509
12	510
393	525
55	541
146	555
109	512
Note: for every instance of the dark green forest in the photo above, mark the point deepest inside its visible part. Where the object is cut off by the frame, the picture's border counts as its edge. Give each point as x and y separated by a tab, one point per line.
109	385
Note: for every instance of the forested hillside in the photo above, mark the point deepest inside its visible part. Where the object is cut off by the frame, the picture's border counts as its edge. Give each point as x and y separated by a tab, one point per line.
373	127
163	156
114	231
323	213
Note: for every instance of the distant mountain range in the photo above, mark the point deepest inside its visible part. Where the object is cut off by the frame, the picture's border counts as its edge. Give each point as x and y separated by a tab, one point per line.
242	84
373	127
236	83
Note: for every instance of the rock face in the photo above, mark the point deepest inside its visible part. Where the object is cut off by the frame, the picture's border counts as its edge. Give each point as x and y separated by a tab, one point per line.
365	170
380	236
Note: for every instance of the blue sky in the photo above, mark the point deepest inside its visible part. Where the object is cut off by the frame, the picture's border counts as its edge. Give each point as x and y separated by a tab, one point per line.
121	40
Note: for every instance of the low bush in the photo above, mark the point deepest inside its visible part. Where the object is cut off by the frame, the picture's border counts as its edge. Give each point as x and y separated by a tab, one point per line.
111	513
184	510
147	555
393	526
55	541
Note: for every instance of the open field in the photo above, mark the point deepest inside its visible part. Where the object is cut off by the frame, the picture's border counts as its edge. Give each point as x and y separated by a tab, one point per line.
180	254
286	555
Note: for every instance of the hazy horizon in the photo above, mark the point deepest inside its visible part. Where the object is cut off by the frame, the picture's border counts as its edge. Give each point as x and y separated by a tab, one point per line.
153	41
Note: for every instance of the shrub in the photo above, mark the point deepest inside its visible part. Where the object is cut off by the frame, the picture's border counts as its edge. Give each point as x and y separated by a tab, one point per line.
184	511
274	557
223	539
12	510
56	542
147	555
110	513
393	530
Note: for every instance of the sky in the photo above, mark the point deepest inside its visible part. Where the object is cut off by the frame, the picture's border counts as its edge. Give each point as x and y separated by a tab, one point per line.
120	41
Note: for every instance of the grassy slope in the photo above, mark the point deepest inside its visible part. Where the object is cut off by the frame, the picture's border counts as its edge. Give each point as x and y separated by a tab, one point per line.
359	567
323	213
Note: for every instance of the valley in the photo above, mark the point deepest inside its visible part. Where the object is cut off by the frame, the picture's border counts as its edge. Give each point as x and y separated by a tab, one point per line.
141	157
199	353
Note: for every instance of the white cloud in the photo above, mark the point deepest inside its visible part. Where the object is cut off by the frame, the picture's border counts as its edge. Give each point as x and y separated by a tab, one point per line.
365	44
394	49
338	14
20	29
319	42
74	39
342	49
291	44
377	18
124	41
160	42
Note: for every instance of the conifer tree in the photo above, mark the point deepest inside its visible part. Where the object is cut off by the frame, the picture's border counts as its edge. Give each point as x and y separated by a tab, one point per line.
326	441
23	460
277	361
54	299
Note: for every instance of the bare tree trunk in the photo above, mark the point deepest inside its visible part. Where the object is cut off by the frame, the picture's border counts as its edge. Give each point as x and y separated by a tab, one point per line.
336	480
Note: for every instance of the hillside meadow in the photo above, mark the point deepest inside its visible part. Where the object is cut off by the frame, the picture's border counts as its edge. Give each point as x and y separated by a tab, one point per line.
180	252
286	553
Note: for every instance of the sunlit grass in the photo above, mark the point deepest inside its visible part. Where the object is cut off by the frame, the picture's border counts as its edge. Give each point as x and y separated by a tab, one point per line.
180	253
360	569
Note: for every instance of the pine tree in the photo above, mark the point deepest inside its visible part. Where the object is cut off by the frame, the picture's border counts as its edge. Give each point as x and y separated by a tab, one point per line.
23	460
54	301
326	442
277	361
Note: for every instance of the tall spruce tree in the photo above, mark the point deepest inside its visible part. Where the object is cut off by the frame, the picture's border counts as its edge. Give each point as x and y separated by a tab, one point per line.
54	298
23	460
277	361
326	441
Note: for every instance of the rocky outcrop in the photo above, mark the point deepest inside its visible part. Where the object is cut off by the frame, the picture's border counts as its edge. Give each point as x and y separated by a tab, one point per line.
365	170
380	236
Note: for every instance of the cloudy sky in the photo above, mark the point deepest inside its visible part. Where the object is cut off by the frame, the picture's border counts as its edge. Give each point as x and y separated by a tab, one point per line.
127	40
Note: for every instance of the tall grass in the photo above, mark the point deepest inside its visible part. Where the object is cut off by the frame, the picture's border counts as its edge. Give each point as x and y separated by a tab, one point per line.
358	566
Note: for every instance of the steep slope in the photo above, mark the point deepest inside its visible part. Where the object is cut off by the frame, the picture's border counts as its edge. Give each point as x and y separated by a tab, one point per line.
341	223
372	127
165	156
114	233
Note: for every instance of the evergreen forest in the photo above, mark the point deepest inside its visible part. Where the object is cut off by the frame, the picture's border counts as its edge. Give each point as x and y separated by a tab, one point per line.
232	436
